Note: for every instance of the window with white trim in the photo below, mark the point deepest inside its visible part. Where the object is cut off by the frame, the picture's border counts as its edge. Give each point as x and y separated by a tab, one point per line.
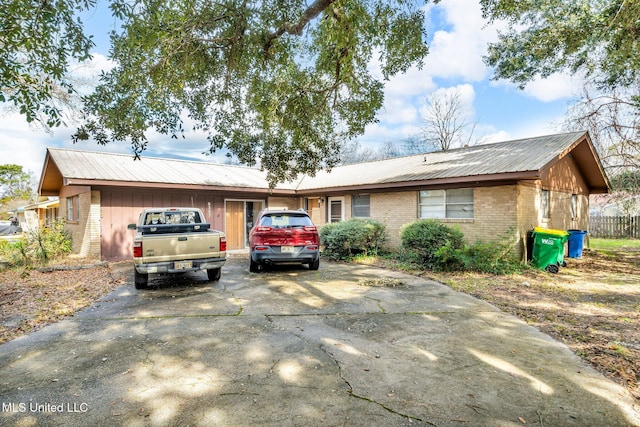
360	206
446	204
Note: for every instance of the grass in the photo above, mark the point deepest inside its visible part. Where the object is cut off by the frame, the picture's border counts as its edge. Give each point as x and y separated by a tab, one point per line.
605	245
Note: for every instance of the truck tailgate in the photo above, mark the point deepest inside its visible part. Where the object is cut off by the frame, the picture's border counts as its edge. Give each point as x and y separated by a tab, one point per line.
168	247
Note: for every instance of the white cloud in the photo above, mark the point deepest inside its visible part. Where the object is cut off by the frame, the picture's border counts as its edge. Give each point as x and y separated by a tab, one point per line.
457	52
377	134
498	136
91	68
398	111
22	145
466	95
556	86
413	82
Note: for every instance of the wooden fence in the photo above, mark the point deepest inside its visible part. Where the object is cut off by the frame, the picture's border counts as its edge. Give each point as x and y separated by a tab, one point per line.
620	227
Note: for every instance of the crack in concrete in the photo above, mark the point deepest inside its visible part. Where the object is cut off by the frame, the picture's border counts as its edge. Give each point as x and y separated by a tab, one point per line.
267	316
379	301
350	388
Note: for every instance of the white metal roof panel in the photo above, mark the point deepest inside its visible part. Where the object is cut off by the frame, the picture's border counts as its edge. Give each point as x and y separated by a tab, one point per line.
523	155
99	166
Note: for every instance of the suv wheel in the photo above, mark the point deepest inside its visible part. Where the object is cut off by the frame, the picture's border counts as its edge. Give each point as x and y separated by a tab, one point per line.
314	265
254	267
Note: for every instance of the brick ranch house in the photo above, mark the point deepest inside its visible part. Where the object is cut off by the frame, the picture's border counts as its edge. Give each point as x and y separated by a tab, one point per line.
487	190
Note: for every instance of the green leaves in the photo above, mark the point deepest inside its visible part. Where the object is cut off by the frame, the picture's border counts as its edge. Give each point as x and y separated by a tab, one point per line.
39	38
281	83
15	184
600	38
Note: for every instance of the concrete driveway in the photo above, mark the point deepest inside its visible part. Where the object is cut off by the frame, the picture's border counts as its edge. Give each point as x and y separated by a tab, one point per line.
293	347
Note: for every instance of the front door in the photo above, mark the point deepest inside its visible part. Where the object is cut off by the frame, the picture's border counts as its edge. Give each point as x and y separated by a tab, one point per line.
336	209
234	224
239	217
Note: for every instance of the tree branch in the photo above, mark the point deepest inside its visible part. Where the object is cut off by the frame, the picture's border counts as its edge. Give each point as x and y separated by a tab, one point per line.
296	29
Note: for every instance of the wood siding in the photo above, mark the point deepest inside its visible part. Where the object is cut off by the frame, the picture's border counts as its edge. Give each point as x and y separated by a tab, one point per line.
121	207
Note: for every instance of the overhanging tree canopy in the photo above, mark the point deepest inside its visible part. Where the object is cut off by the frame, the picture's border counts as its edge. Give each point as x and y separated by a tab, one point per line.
38	40
280	83
600	38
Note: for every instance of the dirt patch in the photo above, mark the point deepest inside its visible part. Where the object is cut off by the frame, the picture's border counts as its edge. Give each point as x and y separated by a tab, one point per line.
32	299
381	282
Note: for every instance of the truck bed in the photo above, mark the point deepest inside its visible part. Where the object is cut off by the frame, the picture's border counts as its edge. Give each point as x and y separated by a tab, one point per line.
180	246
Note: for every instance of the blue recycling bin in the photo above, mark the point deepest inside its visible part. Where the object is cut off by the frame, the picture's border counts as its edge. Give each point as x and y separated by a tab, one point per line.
576	243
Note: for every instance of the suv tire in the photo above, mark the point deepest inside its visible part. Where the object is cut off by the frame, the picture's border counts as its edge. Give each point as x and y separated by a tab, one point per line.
254	267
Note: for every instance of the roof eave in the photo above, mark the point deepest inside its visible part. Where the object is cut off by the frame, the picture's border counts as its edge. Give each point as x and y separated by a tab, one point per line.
472	181
176	186
588	162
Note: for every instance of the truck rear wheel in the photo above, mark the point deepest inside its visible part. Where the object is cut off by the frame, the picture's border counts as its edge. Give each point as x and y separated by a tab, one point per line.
140	280
214	274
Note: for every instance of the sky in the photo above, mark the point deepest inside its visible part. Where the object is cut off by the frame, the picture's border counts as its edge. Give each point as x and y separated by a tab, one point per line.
457	36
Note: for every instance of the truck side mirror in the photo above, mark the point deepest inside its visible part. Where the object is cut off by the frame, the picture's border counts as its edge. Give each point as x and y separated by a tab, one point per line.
131	227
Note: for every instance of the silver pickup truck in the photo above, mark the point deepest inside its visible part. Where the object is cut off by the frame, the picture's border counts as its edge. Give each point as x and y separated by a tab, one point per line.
176	240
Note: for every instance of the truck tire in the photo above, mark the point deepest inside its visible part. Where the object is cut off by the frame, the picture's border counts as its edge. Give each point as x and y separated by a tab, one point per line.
214	274
140	280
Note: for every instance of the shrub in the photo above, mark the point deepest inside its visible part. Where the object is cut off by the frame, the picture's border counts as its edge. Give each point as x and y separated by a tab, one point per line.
494	257
423	241
343	240
38	246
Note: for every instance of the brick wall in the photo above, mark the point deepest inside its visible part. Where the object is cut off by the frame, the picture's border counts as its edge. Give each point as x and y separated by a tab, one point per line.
394	210
494	213
85	233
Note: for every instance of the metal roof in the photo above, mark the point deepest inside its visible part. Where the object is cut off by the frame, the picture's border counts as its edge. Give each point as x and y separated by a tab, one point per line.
511	160
524	155
96	166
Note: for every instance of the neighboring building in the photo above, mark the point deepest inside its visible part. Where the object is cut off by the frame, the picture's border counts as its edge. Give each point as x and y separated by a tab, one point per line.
487	190
39	214
615	204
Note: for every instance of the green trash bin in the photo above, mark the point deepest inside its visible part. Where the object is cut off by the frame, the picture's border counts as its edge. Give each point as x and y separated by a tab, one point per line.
548	249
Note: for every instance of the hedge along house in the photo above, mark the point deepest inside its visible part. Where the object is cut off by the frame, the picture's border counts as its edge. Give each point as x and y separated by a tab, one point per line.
489	191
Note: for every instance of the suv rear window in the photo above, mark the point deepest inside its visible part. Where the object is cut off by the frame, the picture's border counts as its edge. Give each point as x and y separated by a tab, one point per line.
281	220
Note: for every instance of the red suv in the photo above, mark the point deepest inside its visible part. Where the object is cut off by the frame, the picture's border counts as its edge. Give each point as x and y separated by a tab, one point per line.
283	236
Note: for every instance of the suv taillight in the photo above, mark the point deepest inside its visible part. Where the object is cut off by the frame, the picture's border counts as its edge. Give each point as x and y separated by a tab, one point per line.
137	249
223	244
